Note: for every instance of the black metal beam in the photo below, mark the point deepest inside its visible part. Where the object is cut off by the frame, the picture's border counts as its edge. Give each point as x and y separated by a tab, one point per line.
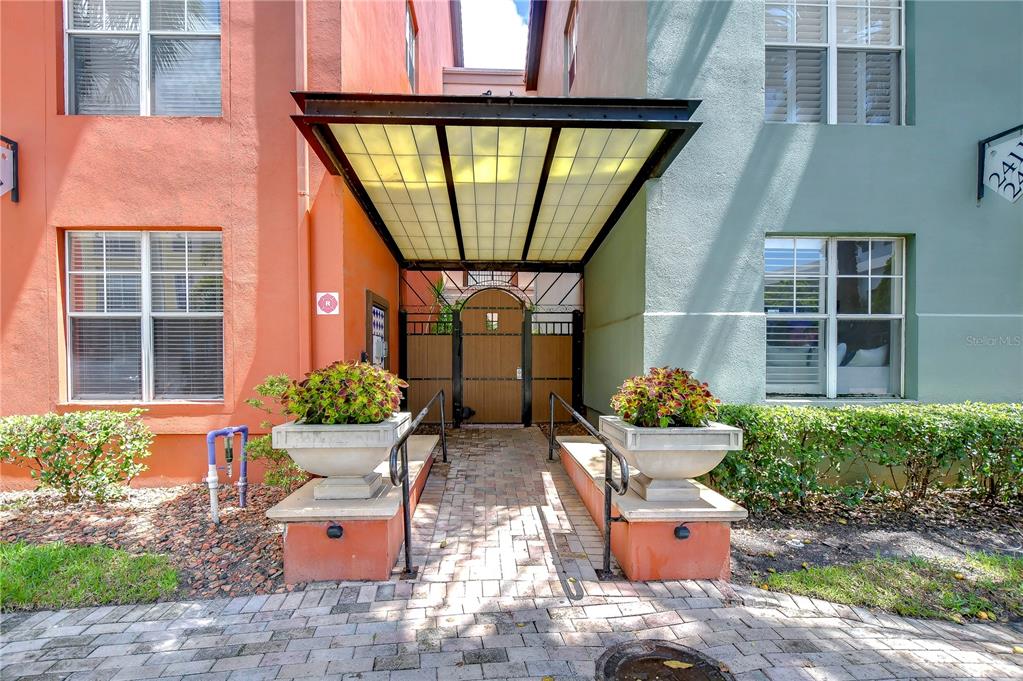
534	45
672	142
327	140
541	187
527	368
578	112
497	265
445	156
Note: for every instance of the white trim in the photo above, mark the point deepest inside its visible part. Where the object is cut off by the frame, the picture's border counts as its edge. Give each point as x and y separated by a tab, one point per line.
705	314
993	315
145	315
145	35
832	317
831	48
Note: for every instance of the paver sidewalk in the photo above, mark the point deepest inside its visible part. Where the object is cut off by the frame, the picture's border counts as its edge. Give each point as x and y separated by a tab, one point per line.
505	590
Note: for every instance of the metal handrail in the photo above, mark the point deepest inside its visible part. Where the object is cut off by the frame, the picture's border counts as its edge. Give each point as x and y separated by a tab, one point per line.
620	487
401	477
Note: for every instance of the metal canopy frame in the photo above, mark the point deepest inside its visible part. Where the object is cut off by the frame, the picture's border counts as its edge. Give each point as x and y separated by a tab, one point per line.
320	109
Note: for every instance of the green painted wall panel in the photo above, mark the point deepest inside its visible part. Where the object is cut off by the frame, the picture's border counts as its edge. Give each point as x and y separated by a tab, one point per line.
740	179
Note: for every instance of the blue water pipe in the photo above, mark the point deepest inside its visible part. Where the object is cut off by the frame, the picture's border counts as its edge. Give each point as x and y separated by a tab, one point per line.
212	479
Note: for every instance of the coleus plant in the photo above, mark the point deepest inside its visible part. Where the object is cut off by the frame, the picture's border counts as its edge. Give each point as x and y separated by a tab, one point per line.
663	398
344	392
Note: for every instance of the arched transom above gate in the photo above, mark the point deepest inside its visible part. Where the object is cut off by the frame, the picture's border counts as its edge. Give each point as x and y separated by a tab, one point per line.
493	182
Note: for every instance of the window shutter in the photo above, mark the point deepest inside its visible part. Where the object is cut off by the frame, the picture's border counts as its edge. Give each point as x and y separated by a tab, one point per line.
794	85
795	356
868	87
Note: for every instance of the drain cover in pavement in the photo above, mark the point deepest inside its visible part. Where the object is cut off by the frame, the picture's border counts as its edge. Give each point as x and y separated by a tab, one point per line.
658	661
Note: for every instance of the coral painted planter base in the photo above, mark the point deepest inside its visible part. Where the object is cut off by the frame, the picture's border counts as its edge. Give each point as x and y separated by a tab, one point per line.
645	546
372	538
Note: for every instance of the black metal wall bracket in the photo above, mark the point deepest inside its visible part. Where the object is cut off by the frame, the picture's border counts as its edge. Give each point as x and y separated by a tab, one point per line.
981	153
13	146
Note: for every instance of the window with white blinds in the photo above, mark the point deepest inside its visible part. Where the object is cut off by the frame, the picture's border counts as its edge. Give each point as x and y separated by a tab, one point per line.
410	47
145	316
834	316
143	57
834	61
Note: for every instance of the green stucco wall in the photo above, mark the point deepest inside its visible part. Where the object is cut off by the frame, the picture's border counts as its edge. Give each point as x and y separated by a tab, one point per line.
740	178
614	298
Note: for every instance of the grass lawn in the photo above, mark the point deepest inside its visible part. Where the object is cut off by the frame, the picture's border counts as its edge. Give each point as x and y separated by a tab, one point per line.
58	575
984	586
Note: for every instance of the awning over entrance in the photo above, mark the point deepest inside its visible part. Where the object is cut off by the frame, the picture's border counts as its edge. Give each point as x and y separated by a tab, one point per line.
493	183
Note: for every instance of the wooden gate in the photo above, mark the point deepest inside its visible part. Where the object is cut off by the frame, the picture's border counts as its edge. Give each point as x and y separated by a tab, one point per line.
492	372
496	360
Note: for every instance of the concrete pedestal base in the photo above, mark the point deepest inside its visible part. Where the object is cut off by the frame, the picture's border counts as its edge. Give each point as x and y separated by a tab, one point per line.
372	528
645	545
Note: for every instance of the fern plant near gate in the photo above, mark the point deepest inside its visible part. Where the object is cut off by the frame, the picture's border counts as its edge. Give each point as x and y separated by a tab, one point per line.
81	454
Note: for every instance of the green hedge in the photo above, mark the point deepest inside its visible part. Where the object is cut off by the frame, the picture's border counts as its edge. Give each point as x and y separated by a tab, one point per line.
81	453
792	452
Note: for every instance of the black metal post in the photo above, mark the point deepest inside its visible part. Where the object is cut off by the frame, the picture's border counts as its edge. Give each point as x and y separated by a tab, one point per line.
607	517
527	368
403	354
456	367
577	359
406	512
550	446
443	425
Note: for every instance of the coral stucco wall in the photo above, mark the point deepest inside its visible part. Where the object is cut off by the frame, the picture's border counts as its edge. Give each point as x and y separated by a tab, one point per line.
243	173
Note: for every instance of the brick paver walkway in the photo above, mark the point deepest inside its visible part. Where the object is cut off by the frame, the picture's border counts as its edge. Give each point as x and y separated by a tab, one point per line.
506	590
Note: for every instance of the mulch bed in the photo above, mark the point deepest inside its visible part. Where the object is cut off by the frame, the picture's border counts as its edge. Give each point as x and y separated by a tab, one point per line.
243	556
946	525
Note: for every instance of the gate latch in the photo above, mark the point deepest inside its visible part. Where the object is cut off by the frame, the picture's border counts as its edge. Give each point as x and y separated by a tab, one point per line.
518	373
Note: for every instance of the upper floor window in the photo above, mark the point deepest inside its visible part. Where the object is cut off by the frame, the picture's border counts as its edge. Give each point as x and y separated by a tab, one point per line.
571	42
835	316
143	57
834	61
410	46
145	316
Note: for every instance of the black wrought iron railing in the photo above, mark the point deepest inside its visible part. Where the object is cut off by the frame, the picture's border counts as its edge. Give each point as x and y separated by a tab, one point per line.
401	476
619	487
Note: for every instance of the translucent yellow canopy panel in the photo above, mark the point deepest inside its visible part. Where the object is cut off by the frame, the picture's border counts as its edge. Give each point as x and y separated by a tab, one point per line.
505	182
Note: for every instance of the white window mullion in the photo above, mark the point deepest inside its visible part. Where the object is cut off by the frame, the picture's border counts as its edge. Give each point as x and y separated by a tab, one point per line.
832	64
831	326
145	101
147	322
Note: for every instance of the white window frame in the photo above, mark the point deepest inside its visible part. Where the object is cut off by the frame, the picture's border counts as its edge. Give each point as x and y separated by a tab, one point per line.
831	48
411	47
145	36
571	46
831	317
145	315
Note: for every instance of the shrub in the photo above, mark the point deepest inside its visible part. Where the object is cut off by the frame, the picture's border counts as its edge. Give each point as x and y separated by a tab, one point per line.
345	392
791	452
82	453
664	397
281	471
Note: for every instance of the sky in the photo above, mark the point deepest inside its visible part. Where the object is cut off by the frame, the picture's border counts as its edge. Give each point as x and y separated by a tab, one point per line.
494	33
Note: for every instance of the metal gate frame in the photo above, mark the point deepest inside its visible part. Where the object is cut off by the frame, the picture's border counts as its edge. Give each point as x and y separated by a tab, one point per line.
457	375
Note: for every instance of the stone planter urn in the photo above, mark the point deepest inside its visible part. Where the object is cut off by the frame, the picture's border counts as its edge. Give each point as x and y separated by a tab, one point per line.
666	458
345	455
